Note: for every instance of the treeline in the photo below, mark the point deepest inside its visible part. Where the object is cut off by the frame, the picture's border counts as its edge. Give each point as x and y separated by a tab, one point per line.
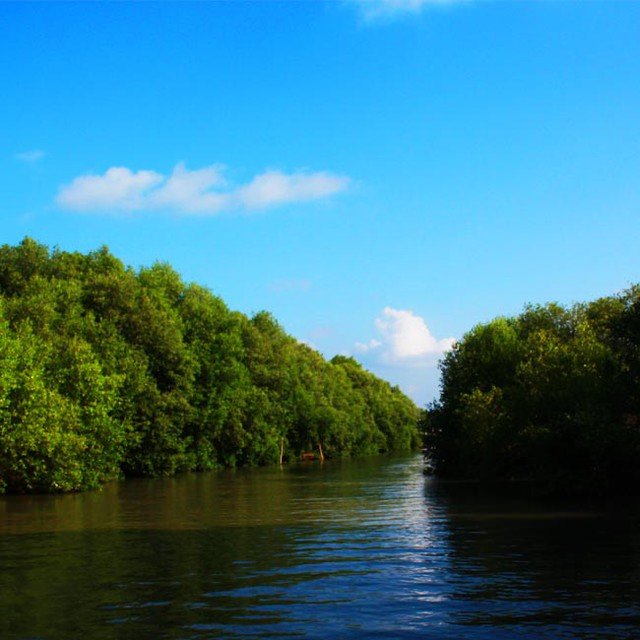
106	371
552	395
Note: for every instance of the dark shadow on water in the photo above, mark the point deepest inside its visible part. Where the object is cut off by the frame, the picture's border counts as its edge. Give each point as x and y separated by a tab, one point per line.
541	568
139	584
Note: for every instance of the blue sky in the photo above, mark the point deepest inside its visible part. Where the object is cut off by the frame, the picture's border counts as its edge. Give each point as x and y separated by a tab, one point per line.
379	175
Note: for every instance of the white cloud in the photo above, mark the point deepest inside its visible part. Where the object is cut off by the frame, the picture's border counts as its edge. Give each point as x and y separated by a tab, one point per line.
201	191
404	339
273	187
381	9
191	191
118	188
31	157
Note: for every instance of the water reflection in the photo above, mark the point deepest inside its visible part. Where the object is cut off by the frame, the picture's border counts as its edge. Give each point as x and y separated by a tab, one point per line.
355	549
543	570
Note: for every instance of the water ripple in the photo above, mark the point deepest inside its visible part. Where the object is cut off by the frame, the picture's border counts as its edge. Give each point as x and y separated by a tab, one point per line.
363	549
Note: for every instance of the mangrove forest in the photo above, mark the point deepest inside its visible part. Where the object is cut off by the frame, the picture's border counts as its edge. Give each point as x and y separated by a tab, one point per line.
550	396
107	371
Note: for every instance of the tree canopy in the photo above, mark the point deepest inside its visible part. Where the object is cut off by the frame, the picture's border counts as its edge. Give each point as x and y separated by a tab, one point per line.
107	371
551	395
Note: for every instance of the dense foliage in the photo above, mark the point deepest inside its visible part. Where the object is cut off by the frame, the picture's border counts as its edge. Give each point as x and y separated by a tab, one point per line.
106	371
552	395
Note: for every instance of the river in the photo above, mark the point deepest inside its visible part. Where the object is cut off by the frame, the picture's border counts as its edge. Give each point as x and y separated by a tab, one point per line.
353	549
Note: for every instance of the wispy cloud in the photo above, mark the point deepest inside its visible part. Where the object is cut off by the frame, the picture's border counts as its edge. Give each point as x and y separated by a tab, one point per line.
404	339
202	191
373	10
30	157
290	285
370	345
321	332
273	187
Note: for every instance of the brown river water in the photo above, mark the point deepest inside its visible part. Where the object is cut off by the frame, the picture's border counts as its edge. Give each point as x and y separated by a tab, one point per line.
368	548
